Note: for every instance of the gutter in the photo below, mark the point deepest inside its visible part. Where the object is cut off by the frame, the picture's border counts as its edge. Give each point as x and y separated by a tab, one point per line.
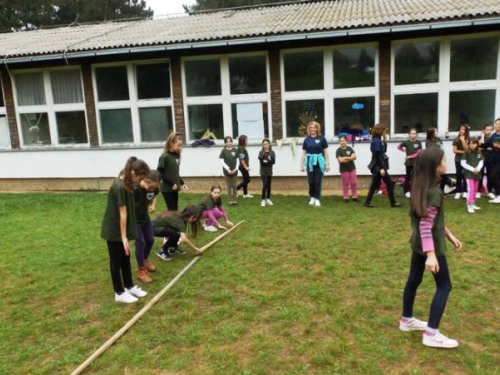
258	40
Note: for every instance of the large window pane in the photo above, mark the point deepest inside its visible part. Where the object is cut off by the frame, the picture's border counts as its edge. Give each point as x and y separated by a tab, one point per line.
474	59
116	126
205	117
353	114
71	127
35	129
2	103
66	86
300	112
304	71
475	108
418	111
30	89
112	83
202	77
416	63
250	119
156	123
153	81
354	67
4	132
248	75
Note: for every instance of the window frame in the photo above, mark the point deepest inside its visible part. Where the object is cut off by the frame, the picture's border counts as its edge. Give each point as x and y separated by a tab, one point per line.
50	108
133	104
329	93
444	86
226	99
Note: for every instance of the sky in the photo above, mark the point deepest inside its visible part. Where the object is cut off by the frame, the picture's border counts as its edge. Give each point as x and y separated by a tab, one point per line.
162	7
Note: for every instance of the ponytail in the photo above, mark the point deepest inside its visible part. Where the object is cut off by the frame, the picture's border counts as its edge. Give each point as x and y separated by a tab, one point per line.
133	166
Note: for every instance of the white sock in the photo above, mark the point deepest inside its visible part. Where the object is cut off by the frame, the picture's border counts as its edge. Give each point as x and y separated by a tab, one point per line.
432	331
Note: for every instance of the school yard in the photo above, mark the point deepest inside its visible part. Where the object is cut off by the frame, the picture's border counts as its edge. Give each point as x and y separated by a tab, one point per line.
295	290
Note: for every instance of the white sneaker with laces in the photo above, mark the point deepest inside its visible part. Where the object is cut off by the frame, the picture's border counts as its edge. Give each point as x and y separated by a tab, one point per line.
317	203
412	325
438	340
491	196
496	200
407	195
476	207
125	297
457	195
263	203
470	209
136	291
478	195
312	201
210	228
464	195
268	202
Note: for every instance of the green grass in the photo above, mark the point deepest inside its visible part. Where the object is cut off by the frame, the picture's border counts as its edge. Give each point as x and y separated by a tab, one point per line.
295	290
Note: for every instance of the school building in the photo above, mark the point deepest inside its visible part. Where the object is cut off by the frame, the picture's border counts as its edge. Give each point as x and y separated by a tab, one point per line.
77	101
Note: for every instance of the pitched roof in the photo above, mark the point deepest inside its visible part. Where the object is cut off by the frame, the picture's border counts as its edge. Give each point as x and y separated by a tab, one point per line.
302	17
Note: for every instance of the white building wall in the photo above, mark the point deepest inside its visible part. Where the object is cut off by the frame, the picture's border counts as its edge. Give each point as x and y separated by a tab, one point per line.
196	162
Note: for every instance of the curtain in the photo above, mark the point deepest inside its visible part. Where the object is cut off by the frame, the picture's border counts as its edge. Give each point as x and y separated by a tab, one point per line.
30	89
66	86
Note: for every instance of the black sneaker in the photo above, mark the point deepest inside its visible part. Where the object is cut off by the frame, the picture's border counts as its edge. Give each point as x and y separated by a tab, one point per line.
163	255
176	250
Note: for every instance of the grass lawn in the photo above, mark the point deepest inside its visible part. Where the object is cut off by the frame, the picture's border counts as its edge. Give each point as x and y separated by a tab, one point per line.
295	290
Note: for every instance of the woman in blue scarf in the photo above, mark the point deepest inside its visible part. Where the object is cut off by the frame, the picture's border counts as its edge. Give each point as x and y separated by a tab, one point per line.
315	161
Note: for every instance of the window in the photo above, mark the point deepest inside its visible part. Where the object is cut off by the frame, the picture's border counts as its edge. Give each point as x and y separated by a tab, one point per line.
339	91
4	132
474	108
139	109
445	82
227	95
418	111
51	107
304	71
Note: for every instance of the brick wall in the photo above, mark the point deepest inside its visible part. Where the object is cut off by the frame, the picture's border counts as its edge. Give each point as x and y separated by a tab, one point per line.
275	79
10	109
175	66
385	81
88	91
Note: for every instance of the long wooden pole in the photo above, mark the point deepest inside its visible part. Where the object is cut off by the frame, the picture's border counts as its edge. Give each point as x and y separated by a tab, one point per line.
155	299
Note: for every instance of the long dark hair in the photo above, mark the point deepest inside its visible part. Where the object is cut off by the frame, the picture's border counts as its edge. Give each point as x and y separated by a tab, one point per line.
467	131
188	212
242	140
424	178
138	167
378	130
431	135
476	142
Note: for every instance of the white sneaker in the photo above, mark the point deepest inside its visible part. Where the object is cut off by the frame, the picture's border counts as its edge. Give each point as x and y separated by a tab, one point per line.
491	196
263	203
210	228
125	297
478	195
439	340
412	325
470	209
464	195
407	195
476	207
312	201
496	200
457	195
247	196
268	202
136	291
317	203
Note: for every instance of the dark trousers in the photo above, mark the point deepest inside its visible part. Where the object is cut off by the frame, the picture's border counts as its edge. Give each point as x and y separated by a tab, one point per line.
375	185
119	265
409	175
144	242
266	187
172	234
461	187
246	180
314	179
171	200
495	178
443	288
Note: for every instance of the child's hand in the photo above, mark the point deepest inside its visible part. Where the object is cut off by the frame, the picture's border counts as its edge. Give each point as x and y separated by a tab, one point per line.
327	168
151	209
197	250
126	246
457	245
432	264
248	169
222	227
174	187
229	223
184	187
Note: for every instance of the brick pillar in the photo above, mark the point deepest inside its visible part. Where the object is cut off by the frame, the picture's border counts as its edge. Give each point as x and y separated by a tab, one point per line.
175	69
88	91
10	109
275	78
385	82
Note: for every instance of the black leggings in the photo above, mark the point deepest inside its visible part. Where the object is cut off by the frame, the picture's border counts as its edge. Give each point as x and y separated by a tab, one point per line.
375	185
409	175
171	200
119	265
443	288
266	187
246	180
461	187
314	180
495	178
172	234
144	242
